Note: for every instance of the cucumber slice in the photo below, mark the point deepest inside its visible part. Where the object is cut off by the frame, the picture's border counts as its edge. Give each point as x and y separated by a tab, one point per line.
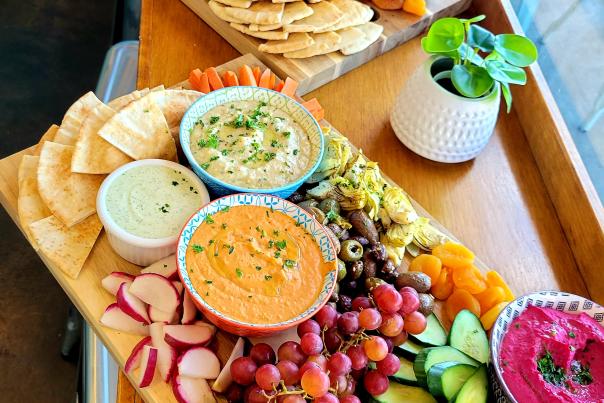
409	349
405	374
434	334
476	388
397	393
435	355
467	335
447	378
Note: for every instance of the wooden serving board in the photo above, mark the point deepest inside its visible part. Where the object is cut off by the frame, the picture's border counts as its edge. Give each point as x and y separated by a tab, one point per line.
313	72
91	299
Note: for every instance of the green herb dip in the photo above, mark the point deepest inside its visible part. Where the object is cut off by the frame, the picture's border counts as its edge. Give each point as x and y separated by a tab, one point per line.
152	201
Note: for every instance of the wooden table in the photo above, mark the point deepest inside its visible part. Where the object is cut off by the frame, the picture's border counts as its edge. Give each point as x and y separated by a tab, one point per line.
505	205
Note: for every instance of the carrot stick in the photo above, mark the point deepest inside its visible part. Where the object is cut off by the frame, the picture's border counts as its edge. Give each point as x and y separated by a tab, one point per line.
204	83
246	77
195	79
289	87
315	108
230	79
214	78
256	70
279	86
271	81
265	79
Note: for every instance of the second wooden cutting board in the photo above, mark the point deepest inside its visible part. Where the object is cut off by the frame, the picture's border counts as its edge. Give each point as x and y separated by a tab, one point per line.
313	72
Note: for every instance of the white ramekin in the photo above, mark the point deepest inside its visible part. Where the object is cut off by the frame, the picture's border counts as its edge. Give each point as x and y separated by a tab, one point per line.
136	249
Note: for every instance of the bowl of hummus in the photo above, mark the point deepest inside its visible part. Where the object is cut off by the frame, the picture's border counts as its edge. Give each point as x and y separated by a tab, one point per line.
548	347
143	206
251	139
256	264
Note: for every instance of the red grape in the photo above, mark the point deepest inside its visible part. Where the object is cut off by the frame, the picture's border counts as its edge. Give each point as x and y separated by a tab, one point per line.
262	354
388	299
254	394
234	393
389	343
370	319
290	350
311	344
348	323
310	326
392	324
400	339
320	360
338	383
326	317
332	340
358	373
243	370
389	365
415	323
306	366
350	399
267	375
375	383
360	303
293	399
375	348
350	387
357	356
410	303
315	382
289	372
339	364
327	398
408	289
377	291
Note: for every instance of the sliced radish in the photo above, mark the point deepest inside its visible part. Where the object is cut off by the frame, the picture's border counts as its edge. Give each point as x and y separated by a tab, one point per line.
166	354
156	290
224	378
115	318
210	326
131	305
199	362
185	336
112	282
178	286
192	390
166	267
157	315
134	361
148	366
189	311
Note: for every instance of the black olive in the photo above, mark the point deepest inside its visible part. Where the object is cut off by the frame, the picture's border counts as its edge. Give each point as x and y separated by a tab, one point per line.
355	271
369	264
344	303
388	271
364	225
296	197
379	252
360	239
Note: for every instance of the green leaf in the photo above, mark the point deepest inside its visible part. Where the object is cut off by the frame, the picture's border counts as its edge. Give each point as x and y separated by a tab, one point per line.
481	38
507	95
516	49
472	20
464	50
471	81
495	56
505	72
445	35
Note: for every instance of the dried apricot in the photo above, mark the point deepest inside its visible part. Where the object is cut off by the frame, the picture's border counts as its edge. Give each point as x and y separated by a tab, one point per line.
461	299
494	279
470	279
490	316
427	264
454	255
490	297
443	287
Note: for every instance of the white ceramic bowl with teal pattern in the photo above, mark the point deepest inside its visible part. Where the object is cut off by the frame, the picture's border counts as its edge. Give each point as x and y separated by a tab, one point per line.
558	300
302	217
274	99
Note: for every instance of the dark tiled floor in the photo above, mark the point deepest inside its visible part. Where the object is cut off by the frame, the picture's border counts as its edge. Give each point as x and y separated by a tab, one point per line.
51	52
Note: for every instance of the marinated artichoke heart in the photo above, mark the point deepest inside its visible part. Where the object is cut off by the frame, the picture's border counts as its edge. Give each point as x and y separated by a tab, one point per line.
427	237
395	253
336	156
398	206
403	234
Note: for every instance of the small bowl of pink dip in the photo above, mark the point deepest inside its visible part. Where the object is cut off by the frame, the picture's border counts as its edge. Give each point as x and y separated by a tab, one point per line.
549	347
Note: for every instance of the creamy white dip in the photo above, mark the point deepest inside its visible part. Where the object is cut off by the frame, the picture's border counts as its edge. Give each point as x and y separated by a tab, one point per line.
152	201
250	144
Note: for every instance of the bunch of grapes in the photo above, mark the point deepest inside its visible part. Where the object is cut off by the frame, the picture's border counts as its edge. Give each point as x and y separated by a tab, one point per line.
337	353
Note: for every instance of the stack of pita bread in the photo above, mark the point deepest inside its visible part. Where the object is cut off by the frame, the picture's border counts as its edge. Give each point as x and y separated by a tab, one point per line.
59	183
299	29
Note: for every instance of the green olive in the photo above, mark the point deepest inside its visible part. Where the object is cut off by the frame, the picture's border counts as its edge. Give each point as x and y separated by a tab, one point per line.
372	282
351	251
328	205
341	270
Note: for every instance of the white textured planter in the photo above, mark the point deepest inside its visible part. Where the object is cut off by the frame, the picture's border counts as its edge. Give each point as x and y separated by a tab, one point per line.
439	125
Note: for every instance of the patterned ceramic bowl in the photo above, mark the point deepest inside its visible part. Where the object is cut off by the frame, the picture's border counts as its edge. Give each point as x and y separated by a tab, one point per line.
560	301
316	230
274	99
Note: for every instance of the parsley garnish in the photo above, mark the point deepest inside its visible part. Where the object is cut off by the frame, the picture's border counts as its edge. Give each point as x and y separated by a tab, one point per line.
209	219
271	243
238	121
258	268
571	335
174	183
332	215
287	134
268	277
214	158
281	244
238	272
550	372
208	281
205	165
211	142
197	248
289	263
278	253
214	119
274	143
225	152
269	156
225	209
164	208
224	226
296	151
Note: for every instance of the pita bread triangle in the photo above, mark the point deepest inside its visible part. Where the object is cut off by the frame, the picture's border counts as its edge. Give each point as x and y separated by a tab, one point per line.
30	207
74	117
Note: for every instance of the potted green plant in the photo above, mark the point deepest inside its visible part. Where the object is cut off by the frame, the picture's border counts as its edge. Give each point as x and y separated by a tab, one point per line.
448	108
